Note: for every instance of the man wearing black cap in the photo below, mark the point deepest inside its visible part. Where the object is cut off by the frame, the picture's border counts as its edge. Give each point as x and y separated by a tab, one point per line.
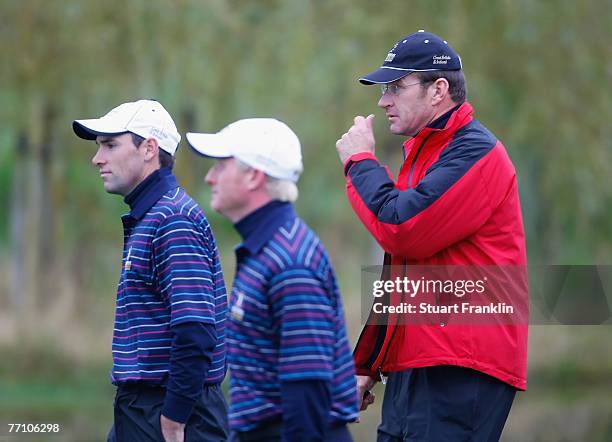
454	203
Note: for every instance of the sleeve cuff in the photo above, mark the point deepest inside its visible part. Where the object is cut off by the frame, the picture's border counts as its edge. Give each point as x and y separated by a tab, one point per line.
355	158
177	408
366	372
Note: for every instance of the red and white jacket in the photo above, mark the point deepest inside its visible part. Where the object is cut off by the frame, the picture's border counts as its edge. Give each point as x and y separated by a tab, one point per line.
455	202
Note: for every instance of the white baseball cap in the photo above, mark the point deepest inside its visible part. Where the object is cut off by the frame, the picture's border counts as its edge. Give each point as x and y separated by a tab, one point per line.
263	143
146	118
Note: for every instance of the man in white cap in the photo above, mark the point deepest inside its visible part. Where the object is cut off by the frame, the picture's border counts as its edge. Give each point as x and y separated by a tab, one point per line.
291	369
168	341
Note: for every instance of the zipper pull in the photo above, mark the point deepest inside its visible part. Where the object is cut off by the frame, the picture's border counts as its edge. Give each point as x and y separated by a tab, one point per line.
383	378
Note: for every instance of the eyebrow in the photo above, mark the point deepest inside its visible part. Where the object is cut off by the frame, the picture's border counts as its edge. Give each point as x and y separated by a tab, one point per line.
401	81
104	140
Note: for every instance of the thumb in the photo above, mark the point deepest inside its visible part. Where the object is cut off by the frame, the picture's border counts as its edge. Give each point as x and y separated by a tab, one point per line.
370	121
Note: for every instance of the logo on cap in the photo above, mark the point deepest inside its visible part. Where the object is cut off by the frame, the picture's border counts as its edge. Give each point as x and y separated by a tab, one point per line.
440	59
390	57
159	133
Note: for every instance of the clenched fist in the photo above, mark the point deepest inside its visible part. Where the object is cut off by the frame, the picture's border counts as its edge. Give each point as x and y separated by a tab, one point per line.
359	138
364	396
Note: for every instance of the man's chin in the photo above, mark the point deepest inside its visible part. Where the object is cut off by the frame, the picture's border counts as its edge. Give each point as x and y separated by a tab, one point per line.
215	207
393	125
221	211
396	130
112	190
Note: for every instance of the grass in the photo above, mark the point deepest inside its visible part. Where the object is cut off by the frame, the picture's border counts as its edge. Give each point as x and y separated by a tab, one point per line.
569	393
42	386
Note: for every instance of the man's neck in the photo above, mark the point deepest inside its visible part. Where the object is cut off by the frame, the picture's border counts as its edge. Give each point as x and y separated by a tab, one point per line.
441	121
146	172
443	109
255	202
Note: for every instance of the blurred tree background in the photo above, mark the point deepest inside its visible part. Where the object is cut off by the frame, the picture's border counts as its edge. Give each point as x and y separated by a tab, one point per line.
539	76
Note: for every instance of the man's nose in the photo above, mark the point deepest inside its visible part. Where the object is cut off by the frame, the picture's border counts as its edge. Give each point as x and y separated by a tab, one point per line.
209	178
97	159
384	101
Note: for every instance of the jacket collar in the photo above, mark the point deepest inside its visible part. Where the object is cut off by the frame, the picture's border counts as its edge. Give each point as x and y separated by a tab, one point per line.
440	122
149	191
258	227
447	123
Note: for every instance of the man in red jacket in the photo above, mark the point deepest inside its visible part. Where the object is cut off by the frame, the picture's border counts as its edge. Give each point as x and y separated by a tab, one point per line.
455	203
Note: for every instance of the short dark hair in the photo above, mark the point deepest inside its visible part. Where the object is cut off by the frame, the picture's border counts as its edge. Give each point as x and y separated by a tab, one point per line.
137	139
456	82
165	159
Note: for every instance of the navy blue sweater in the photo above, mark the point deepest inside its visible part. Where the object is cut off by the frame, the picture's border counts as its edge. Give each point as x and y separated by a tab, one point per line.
192	342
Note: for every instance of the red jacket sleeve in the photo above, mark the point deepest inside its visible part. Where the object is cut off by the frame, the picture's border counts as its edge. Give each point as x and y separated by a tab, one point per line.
455	198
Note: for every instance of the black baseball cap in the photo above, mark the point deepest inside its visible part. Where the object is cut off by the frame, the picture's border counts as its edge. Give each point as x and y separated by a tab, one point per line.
418	52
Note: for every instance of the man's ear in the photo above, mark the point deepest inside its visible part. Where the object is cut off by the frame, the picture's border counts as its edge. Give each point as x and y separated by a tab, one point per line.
256	179
151	149
440	90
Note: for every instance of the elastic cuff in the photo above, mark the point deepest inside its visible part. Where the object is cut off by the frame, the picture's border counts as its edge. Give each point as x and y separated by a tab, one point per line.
355	158
366	372
177	408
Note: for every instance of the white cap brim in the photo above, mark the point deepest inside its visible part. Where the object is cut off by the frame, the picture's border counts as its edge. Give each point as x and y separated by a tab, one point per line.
90	129
210	145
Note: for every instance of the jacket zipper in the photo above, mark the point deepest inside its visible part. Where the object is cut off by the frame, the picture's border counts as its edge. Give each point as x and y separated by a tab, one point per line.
415	159
383	378
380	341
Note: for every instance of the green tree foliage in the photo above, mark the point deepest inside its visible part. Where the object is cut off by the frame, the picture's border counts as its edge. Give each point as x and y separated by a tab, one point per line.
539	75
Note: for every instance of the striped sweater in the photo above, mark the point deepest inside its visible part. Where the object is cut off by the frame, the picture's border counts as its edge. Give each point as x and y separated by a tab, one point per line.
286	322
171	274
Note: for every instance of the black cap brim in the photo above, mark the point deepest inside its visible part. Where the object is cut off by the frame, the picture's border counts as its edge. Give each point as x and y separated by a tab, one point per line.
89	133
384	75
